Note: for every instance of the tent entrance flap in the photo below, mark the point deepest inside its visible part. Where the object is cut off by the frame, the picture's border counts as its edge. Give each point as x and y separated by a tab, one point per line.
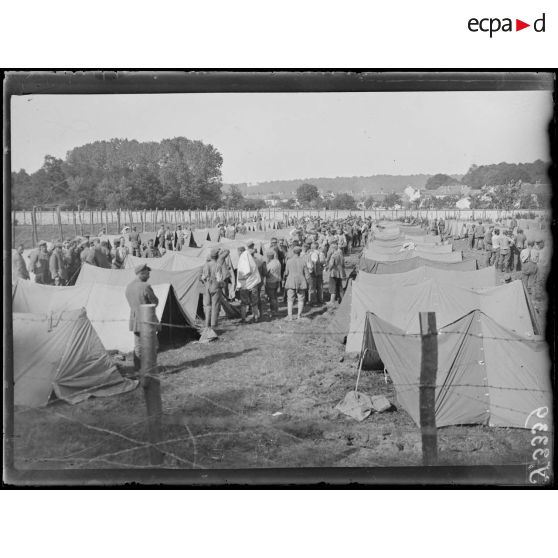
176	328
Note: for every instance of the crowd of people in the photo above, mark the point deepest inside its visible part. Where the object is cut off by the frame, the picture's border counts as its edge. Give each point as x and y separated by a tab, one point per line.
291	268
506	247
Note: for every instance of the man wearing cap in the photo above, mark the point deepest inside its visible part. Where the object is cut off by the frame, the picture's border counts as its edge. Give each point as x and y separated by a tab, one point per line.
135	241
139	292
19	269
212	280
316	261
335	264
249	282
151	251
39	264
529	257
520	241
505	251
296	282
272	281
178	238
226	272
57	266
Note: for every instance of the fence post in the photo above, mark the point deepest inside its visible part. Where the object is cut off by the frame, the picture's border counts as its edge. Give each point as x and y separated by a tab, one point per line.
118	220
34	235
149	379
75	222
13	228
427	387
59	218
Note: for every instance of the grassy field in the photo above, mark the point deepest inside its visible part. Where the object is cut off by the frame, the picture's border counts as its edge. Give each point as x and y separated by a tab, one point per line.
221	403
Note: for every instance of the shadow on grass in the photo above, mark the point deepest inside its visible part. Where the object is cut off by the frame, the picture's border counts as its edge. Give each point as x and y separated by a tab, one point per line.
205	361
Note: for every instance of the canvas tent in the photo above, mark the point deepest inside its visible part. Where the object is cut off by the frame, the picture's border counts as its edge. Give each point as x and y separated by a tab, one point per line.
410	245
371	254
170	261
506	304
340	324
401	266
107	309
61	355
186	283
487	374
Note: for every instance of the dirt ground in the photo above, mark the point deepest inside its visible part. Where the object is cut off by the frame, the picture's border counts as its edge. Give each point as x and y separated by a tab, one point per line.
262	395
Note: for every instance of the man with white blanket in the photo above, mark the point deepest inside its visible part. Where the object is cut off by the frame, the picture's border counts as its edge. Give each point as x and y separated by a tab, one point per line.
249	282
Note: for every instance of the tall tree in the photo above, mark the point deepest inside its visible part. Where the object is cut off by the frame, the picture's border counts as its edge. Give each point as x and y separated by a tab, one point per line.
307	193
439	180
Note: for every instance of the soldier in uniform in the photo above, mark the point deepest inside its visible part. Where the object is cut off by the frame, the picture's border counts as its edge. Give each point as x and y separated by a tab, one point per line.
151	251
212	280
139	292
39	264
19	269
134	238
57	265
336	266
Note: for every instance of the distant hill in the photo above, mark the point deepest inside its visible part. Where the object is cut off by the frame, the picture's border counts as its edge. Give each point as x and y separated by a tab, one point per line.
357	185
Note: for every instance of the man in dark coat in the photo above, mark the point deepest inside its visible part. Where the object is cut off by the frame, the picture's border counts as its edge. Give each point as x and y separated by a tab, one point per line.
19	269
39	264
139	292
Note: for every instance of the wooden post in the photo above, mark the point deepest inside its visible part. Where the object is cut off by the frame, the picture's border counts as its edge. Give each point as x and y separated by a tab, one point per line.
13	228
35	235
59	218
75	222
118	220
149	379
427	388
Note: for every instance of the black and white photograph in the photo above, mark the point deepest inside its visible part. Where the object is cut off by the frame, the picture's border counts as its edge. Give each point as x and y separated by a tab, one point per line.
291	277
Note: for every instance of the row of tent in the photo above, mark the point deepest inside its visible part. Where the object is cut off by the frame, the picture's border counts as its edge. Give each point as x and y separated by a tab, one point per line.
493	363
62	334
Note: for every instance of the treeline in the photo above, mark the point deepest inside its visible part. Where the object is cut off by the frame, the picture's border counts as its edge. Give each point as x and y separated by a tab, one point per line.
506	173
356	184
178	173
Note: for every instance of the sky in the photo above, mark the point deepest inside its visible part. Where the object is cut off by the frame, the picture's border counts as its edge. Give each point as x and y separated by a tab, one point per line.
276	136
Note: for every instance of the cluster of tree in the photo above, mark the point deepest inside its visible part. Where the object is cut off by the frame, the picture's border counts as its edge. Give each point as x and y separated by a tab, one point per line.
506	173
178	173
438	180
235	199
388	202
369	184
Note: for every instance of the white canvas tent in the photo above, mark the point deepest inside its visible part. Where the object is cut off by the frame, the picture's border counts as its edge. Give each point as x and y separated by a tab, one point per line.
61	355
186	284
107	309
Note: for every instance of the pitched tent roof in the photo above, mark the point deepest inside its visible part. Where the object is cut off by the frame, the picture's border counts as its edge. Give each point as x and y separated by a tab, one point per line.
61	355
107	309
397	248
371	254
374	266
340	324
186	283
487	374
507	304
170	261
